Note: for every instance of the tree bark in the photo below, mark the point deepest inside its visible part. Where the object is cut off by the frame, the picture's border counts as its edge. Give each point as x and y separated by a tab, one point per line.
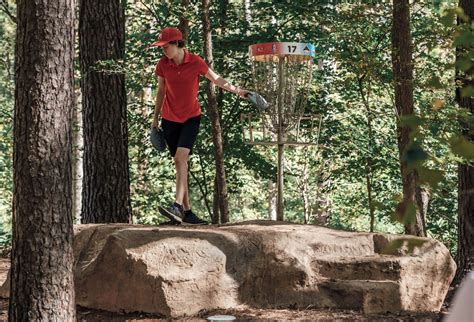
222	197
183	20
42	285
465	255
369	161
215	203
106	188
77	171
403	78
272	200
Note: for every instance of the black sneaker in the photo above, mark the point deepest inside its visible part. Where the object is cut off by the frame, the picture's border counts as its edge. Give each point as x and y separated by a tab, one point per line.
191	218
174	212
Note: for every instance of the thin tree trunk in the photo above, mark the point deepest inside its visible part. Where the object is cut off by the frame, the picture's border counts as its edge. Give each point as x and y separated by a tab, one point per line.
368	166
42	285
106	188
304	187
369	196
215	204
403	77
223	17
203	189
306	201
272	200
248	13
77	170
465	255
222	197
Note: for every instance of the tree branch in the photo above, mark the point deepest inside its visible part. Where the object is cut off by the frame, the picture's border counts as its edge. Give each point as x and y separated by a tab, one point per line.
5	8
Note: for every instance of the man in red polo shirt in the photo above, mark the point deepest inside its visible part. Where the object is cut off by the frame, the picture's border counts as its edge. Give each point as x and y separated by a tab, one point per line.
178	73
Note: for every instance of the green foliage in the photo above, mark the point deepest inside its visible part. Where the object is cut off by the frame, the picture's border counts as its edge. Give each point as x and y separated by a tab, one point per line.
353	93
7	36
405	244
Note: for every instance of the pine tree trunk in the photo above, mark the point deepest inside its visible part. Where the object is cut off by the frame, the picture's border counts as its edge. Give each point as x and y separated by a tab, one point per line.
222	197
42	285
106	188
403	78
465	256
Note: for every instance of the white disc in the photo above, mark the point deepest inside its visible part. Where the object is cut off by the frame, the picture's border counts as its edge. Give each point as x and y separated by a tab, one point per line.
217	318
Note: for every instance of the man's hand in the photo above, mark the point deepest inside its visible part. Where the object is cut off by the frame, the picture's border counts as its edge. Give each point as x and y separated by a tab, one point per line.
242	92
156	122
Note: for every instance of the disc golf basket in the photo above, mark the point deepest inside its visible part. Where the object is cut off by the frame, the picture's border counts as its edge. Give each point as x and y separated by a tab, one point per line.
282	75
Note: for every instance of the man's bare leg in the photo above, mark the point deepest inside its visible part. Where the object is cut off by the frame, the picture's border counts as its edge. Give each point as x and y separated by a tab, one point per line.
181	163
186	203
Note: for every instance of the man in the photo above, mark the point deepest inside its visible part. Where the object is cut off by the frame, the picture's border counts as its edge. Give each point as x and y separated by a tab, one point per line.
178	73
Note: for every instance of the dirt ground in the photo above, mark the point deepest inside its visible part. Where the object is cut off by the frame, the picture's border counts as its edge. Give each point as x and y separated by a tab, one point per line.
241	314
249	314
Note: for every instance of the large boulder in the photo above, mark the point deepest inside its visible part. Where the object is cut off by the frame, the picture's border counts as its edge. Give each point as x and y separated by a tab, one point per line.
177	271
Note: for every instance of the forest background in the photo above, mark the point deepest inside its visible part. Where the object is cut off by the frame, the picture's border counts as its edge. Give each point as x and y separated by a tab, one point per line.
352	90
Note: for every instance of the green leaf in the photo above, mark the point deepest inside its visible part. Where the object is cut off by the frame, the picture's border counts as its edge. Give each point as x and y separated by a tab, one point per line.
411	121
434	128
405	212
393	247
434	82
397	246
411	243
430	176
414	153
464	63
410	214
448	18
461	146
464	38
378	205
461	14
467	91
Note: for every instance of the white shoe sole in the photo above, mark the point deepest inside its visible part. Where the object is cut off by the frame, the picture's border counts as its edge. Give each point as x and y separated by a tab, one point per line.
169	215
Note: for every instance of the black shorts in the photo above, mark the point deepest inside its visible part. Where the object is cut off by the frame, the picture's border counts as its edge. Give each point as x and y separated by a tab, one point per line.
182	135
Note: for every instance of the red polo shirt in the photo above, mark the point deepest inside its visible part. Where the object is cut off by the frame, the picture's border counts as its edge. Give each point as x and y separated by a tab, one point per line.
182	85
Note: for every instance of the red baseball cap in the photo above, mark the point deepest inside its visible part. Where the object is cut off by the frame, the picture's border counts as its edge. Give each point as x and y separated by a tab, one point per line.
166	35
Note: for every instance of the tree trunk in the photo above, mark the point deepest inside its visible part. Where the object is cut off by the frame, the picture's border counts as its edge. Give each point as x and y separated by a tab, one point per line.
222	197
215	204
106	188
77	171
272	200
369	161
183	20
403	78
303	183
42	285
465	256
248	14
